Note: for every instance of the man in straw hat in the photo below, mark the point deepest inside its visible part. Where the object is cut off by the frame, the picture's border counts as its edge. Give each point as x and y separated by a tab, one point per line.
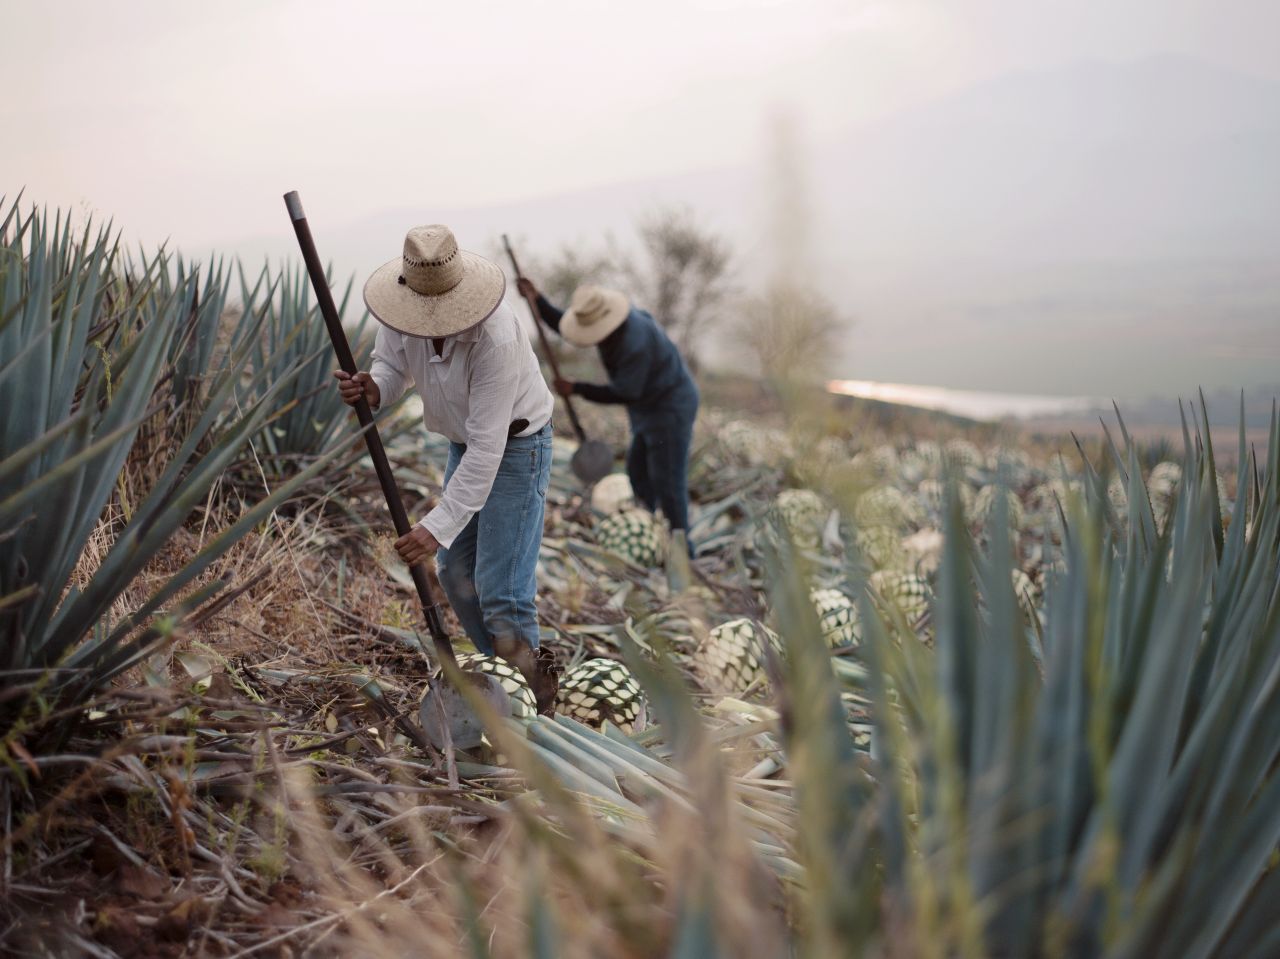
446	328
647	375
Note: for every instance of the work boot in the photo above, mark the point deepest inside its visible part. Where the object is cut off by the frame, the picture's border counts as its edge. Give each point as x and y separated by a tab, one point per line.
539	669
546	682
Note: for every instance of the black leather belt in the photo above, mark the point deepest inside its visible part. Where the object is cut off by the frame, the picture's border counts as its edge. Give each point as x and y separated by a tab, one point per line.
517	427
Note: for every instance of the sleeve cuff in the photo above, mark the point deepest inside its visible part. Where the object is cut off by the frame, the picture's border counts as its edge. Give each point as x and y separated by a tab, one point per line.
443	525
390	389
381	383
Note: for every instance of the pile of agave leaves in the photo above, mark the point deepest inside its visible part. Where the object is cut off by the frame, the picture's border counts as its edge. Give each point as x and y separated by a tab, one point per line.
1069	747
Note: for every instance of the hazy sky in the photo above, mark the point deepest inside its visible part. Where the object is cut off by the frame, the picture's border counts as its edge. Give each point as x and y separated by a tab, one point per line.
189	120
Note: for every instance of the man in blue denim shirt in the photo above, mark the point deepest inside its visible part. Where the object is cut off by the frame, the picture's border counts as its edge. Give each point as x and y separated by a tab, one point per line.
647	375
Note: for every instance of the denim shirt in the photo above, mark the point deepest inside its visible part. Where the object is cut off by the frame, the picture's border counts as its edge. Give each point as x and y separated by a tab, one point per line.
644	366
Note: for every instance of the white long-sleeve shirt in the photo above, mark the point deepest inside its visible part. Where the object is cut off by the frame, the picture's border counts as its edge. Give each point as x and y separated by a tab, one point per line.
484	379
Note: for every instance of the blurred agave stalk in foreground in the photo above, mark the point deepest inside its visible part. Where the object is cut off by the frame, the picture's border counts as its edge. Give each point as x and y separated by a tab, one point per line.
1110	788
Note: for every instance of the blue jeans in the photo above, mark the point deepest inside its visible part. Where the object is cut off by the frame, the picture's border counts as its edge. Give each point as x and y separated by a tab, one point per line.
488	572
658	460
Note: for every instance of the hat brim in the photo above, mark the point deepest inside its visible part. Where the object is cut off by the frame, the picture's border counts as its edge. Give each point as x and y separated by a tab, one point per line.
589	334
406	311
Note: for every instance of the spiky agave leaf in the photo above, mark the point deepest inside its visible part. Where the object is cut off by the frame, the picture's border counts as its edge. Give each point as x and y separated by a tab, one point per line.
1121	797
57	449
294	340
83	400
694	829
984	503
834	796
208	335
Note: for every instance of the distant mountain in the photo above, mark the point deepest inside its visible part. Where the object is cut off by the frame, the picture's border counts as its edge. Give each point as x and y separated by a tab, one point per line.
1165	157
1097	228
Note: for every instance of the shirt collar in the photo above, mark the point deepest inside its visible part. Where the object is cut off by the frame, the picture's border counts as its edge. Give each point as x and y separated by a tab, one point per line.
466	336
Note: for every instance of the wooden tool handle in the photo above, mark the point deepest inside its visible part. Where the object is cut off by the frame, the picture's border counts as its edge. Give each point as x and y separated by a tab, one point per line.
338	337
546	347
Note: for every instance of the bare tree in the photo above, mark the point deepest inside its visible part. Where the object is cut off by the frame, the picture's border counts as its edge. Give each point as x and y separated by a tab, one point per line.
683	277
569	269
791	330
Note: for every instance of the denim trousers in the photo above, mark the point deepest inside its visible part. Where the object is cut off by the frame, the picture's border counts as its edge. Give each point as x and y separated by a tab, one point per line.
488	571
658	460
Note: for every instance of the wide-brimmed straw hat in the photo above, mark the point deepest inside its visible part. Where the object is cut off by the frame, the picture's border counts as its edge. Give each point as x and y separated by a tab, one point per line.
433	288
594	312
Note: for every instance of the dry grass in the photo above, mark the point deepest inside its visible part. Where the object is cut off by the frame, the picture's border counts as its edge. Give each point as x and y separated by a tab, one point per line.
255	801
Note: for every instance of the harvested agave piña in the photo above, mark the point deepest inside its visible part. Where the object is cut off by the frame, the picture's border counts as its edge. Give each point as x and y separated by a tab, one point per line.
754	445
523	704
963	455
887	506
881	547
1164	479
907	591
633	534
885	459
600	689
837	617
1162	486
932	495
802	513
1118	497
732	656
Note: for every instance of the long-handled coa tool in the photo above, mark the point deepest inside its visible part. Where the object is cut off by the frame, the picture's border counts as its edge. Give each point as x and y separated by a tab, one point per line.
593	459
445	714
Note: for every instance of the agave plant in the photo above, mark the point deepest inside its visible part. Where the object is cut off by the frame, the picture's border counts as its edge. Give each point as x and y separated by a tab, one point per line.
201	353
1110	787
294	343
1106	783
77	388
194	351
